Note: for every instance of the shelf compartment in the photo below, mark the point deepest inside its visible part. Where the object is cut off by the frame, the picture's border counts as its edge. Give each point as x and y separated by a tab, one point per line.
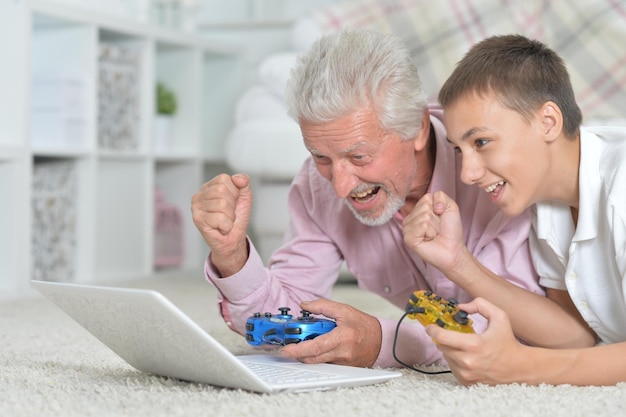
175	181
218	102
123	218
55	201
122	74
62	84
176	66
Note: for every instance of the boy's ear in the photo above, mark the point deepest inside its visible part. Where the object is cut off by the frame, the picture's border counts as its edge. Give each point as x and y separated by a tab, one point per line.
551	120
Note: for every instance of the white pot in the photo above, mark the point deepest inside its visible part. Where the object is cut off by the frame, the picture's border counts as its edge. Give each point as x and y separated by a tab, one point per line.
163	132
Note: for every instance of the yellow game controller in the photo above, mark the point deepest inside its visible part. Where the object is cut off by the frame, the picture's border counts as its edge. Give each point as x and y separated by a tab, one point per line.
428	308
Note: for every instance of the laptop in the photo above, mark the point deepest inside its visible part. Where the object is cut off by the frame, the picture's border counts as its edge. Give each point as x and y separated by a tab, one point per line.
152	335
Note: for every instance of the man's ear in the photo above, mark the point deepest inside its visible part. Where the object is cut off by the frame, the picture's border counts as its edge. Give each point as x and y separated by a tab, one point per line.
551	120
423	136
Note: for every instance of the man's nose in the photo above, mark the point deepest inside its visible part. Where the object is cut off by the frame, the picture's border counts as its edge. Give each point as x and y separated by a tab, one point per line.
343	180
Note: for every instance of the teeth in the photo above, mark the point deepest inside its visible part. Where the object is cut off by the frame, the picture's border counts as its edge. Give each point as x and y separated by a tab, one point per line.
492	187
363	194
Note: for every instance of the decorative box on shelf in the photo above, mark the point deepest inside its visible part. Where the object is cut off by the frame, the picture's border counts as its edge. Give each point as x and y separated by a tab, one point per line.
118	97
54	200
168	233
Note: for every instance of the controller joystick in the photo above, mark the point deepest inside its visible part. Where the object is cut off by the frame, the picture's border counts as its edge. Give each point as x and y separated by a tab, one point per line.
428	308
283	329
305	315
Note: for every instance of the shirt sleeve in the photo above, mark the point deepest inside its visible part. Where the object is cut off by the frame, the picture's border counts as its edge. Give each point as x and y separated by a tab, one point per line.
551	272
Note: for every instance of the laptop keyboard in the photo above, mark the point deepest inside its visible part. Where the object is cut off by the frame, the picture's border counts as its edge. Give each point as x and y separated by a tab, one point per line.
282	374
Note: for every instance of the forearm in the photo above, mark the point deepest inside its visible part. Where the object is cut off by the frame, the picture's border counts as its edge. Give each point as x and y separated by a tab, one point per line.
599	365
535	319
235	290
255	288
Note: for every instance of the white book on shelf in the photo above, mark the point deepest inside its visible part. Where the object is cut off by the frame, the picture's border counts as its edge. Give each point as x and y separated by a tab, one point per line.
58	117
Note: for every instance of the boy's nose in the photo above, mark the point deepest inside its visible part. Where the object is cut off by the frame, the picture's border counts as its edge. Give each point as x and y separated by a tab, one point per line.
471	170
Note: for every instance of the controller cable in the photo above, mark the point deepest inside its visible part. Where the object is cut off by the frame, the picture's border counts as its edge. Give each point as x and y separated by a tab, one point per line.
395	339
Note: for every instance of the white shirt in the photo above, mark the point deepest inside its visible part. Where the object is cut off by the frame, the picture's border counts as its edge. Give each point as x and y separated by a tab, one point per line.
589	260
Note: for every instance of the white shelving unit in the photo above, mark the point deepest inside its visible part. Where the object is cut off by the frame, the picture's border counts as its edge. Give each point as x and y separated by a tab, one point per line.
111	220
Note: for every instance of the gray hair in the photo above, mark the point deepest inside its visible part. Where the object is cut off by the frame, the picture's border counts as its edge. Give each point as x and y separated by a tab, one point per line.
346	71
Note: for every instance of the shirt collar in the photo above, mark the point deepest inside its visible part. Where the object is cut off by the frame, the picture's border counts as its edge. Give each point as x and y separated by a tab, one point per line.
446	169
589	185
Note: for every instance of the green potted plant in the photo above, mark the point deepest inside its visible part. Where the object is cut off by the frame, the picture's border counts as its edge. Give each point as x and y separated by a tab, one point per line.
166	107
166	100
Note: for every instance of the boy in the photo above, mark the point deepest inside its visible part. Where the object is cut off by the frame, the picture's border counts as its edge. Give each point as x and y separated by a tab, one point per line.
509	109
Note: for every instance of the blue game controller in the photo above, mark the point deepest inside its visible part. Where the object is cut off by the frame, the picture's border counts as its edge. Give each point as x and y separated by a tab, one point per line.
282	329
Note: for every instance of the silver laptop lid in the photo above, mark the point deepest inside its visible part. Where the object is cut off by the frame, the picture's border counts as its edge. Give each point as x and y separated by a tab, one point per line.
153	335
150	333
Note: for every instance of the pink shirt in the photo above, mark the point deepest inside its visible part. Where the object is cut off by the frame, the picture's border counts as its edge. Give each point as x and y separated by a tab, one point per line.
323	233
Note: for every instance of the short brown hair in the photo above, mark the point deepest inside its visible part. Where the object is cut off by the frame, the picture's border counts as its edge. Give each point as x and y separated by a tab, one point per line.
522	73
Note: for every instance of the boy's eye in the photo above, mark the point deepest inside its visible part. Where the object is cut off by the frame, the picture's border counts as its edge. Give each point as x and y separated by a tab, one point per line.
481	142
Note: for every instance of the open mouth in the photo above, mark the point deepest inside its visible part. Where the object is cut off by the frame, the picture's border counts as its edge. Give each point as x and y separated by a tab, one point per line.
495	188
362	197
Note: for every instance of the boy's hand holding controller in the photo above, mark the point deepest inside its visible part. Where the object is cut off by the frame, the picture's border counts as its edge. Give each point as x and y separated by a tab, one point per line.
221	212
492	357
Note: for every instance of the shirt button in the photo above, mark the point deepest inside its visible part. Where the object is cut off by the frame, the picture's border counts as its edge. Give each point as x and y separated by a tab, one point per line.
571	276
387	289
583	305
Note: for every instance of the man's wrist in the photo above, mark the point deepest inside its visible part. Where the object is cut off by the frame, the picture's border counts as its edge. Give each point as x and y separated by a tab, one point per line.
229	264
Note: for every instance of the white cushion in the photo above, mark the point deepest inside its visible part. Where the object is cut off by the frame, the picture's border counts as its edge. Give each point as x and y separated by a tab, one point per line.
258	103
267	148
274	71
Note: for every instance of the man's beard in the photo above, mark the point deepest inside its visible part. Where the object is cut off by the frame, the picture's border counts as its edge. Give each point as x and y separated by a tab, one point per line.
393	204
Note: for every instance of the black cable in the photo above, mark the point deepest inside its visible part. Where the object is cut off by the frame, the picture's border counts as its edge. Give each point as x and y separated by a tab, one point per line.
395	339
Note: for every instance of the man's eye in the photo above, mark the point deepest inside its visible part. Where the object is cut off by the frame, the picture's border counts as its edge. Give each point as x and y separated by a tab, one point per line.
361	160
457	149
321	159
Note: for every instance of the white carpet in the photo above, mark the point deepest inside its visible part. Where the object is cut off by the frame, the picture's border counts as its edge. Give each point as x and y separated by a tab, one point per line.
50	366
